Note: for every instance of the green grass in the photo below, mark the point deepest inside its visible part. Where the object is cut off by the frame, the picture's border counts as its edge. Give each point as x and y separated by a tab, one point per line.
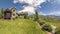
19	26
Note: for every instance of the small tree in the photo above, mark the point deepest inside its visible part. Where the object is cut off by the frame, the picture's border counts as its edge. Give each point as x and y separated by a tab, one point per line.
1	12
25	15
36	16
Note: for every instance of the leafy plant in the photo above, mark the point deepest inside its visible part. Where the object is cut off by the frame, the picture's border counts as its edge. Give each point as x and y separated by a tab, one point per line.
58	31
41	23
47	27
36	16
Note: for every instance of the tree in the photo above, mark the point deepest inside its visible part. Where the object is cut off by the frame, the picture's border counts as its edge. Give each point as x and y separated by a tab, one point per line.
25	15
36	16
1	12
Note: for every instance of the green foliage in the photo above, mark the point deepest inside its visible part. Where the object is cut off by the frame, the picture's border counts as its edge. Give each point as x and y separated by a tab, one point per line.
41	23
50	20
47	27
36	16
1	12
26	15
58	31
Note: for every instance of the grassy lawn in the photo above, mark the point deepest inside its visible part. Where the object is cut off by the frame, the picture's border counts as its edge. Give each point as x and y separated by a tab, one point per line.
19	26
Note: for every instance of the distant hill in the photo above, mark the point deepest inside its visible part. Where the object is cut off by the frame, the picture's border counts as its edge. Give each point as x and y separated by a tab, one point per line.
51	17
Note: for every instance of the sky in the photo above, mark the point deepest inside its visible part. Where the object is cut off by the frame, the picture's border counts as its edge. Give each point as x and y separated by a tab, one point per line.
44	7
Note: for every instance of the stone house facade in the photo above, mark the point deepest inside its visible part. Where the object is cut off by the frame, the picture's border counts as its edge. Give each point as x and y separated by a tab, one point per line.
10	13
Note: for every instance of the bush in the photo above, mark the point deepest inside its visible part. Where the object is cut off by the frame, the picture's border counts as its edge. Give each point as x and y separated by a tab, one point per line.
47	27
58	31
41	23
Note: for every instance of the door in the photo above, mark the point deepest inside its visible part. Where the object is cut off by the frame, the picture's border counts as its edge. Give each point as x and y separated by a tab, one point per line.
8	15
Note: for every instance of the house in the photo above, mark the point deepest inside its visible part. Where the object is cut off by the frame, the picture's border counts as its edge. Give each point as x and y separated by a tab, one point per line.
10	13
21	13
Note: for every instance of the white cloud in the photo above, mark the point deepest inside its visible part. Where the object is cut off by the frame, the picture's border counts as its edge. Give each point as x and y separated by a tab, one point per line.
32	4
41	13
54	13
57	13
15	1
54	1
28	9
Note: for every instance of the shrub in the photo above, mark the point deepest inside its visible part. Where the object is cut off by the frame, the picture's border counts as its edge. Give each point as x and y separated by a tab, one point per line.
58	31
41	23
47	27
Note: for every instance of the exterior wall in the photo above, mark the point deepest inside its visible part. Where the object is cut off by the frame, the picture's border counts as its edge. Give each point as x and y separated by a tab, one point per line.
14	15
8	15
11	14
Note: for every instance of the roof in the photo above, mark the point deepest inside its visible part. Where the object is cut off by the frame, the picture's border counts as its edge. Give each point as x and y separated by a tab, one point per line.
7	10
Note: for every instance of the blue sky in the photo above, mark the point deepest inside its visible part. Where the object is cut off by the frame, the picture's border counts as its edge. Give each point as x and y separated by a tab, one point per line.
50	7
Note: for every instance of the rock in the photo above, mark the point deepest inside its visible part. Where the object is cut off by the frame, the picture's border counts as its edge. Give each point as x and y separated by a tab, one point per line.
53	29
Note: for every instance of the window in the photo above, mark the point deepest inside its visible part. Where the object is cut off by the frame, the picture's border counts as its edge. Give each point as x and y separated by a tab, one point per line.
13	10
13	14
